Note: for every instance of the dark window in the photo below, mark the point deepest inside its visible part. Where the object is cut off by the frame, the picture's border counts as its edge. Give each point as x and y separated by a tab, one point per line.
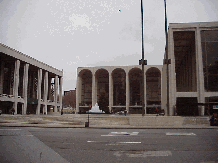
209	43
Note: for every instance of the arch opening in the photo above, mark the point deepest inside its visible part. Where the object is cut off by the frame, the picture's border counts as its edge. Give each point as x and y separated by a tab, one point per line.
119	88
135	82
153	90
85	90
102	80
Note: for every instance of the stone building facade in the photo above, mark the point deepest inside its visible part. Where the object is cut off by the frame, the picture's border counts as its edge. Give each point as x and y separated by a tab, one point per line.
192	53
121	85
28	85
193	73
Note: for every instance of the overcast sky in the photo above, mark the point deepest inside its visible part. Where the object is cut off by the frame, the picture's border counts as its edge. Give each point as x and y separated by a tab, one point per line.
67	34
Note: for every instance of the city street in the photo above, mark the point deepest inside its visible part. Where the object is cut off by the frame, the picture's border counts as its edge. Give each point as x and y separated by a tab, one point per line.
108	145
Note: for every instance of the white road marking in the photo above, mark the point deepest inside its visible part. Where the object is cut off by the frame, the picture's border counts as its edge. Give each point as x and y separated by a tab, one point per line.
10	129
134	133
130	142
91	141
36	128
117	154
121	134
182	134
116	143
143	153
151	154
16	135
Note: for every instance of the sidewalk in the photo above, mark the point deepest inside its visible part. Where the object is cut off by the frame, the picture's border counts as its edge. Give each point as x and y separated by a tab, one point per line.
105	121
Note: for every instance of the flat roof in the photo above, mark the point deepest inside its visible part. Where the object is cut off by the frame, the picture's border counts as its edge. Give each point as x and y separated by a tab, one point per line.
27	59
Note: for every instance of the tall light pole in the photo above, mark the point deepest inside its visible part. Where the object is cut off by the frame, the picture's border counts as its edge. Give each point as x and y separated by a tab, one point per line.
167	58
142	62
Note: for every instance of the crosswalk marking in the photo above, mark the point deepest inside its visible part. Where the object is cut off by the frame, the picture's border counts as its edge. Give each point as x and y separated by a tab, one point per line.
143	153
114	143
129	142
122	134
180	134
10	129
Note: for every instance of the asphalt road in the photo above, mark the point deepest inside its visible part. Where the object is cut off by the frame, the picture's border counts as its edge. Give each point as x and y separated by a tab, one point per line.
110	145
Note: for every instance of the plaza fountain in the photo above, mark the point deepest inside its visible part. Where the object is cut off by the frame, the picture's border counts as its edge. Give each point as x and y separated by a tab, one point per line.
95	109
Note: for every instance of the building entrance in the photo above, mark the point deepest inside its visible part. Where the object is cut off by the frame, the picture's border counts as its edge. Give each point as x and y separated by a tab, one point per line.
186	106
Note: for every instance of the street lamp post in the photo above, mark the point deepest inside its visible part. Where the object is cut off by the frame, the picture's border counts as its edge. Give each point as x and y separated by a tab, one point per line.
142	62
167	59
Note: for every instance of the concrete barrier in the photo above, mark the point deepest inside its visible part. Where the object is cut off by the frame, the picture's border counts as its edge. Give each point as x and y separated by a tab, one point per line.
106	121
196	120
167	121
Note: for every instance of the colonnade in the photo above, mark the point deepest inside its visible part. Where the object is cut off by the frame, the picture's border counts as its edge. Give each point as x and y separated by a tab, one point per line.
36	86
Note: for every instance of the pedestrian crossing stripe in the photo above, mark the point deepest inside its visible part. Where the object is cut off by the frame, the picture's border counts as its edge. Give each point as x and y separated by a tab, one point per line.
178	134
143	153
121	134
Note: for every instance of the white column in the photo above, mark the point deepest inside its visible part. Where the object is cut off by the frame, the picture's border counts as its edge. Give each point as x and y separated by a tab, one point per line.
162	91
172	80
45	92
16	84
110	92
2	77
96	90
33	85
93	90
78	94
49	88
145	94
25	85
39	91
127	92
56	93
60	91
199	70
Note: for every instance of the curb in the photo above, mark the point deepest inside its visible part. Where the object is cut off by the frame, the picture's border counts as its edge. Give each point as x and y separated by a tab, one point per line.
112	127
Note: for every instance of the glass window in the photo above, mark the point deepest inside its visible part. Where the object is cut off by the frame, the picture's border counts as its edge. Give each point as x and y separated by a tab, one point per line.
209	43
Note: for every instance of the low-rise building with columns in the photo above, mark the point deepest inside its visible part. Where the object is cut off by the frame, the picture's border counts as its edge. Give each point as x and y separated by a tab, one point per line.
122	86
28	85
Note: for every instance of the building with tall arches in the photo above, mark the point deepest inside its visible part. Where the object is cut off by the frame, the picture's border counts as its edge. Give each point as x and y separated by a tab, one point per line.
121	85
186	84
